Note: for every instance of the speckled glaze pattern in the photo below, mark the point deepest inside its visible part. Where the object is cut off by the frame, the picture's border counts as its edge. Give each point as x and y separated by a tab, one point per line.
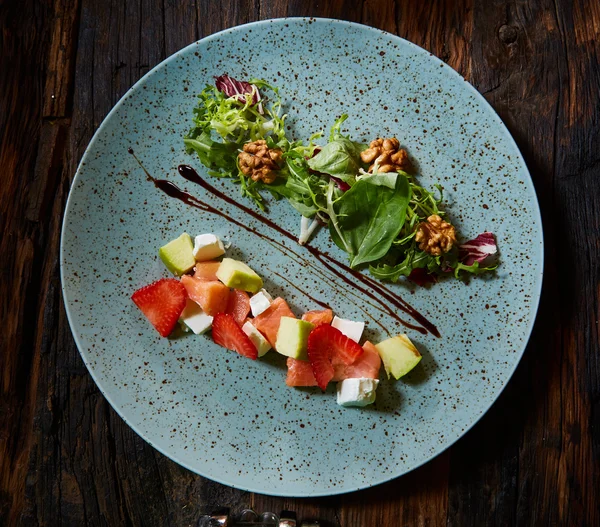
234	420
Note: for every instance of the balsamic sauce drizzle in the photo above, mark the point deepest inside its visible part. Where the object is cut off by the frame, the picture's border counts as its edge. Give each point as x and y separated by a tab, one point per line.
324	305
325	259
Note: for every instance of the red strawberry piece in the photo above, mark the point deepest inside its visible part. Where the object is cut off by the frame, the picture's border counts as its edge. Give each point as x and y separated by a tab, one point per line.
227	333
162	303
326	343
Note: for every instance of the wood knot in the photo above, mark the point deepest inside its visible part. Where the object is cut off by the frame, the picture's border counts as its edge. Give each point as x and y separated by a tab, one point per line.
507	34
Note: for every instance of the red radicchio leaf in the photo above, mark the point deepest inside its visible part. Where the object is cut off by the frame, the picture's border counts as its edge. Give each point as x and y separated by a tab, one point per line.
478	249
238	89
342	185
421	277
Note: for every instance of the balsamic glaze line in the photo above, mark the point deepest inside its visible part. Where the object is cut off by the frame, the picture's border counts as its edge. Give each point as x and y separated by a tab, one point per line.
190	174
294	256
194	178
318	302
394	299
327	306
173	191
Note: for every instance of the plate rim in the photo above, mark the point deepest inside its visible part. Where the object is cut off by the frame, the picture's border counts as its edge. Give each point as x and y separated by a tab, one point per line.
223	480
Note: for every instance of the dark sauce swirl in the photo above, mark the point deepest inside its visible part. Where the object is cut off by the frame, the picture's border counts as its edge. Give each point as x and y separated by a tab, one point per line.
378	293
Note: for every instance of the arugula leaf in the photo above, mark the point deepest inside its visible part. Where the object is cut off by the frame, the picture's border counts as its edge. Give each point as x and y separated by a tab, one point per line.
474	268
304	191
369	216
414	259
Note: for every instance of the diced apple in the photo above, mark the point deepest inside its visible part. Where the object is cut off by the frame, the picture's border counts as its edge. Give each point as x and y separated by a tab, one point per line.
177	255
292	337
399	355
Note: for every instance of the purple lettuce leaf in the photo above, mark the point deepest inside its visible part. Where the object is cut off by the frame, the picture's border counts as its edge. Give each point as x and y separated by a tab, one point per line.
478	249
238	89
342	185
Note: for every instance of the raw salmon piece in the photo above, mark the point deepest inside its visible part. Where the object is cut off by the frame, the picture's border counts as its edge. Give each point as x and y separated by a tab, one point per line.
299	373
238	305
367	365
212	297
206	271
268	321
318	317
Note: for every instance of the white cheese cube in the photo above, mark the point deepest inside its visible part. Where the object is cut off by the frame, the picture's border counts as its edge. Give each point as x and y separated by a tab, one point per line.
353	330
261	343
194	318
207	247
260	302
356	392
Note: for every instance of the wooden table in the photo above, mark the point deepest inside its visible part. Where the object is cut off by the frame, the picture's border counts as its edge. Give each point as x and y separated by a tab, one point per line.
67	458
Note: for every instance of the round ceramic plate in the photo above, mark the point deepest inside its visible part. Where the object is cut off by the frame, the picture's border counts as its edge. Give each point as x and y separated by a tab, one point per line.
234	420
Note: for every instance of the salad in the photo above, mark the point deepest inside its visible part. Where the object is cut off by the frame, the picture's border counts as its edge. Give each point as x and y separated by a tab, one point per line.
366	195
213	292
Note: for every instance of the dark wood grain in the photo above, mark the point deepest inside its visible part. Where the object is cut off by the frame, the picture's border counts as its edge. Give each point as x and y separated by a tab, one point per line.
66	458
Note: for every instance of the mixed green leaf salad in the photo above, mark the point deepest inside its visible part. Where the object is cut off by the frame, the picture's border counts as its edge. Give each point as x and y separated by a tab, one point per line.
366	194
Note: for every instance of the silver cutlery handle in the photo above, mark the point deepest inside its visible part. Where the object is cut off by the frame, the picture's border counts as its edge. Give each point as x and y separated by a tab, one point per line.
248	518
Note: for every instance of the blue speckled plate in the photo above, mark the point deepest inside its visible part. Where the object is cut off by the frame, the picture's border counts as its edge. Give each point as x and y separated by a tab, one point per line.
232	419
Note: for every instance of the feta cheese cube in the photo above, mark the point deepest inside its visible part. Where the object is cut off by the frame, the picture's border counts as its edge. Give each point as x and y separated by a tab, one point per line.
207	247
261	343
353	330
194	318
260	302
356	392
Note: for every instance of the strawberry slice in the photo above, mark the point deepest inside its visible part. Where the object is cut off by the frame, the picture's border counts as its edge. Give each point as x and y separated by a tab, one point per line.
326	343
227	333
162	303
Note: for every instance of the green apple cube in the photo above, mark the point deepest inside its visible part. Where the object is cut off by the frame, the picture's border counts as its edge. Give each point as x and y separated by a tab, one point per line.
178	255
238	275
292	337
399	355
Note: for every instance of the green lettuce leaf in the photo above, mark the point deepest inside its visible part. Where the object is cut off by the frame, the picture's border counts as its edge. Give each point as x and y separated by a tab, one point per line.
213	154
368	217
339	158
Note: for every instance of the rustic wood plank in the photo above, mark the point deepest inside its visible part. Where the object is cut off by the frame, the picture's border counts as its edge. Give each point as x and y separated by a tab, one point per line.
213	16
417	499
23	242
181	29
326	510
59	85
351	11
273	9
443	27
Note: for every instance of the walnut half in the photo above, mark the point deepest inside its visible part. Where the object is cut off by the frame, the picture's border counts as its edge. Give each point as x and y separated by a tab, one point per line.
387	154
435	235
259	161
